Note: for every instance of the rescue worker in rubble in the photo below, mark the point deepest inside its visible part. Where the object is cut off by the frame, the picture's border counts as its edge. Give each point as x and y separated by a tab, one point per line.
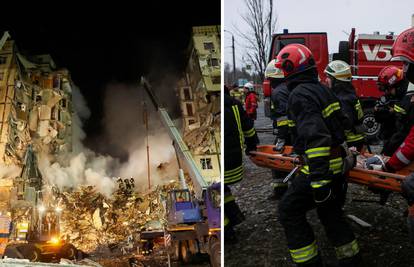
250	101
339	80
239	135
121	185
393	114
402	50
279	100
314	113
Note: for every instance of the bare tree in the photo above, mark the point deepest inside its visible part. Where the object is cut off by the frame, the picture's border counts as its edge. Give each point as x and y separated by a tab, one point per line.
261	19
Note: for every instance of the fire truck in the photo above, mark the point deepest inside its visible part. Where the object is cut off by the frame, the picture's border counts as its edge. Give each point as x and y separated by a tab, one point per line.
367	54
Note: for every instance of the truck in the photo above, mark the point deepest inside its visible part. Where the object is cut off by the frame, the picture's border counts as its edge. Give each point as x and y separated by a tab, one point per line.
367	54
193	211
34	230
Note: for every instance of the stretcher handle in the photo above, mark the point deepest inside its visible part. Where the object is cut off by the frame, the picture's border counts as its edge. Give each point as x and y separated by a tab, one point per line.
381	173
296	161
276	156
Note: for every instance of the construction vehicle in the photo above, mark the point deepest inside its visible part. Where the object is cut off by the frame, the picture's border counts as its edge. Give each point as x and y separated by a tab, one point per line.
267	156
193	215
35	224
367	54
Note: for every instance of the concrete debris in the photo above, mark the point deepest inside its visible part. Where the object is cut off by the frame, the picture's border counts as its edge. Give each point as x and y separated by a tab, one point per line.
94	223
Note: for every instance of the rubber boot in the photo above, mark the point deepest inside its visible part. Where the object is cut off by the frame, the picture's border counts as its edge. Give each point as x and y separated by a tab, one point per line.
315	262
355	261
230	236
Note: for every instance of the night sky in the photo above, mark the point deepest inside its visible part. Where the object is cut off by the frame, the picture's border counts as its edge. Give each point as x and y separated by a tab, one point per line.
112	42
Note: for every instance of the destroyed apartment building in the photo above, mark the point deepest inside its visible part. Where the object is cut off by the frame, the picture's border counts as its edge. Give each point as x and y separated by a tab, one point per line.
35	111
199	93
36	119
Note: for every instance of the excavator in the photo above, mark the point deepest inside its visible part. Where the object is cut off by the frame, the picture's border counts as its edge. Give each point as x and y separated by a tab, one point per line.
34	223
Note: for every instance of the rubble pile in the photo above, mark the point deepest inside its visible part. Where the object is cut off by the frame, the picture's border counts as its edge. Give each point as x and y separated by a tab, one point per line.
93	222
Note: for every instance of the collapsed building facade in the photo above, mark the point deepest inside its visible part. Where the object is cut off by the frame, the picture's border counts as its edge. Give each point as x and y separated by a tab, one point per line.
35	112
199	93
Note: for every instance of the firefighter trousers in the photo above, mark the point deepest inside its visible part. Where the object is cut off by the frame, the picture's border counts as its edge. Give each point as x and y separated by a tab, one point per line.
232	213
294	205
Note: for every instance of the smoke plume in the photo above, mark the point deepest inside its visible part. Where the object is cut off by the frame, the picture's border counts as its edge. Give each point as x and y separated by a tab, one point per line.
124	135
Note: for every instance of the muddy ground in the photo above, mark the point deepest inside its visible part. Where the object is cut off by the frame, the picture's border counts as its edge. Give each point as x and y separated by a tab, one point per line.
261	240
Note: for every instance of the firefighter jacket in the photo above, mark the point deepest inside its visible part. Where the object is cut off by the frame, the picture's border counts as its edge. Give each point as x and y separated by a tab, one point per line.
352	110
237	94
404	154
238	131
316	122
251	105
403	122
279	98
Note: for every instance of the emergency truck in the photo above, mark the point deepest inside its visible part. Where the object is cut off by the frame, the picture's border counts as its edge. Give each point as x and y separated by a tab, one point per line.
367	54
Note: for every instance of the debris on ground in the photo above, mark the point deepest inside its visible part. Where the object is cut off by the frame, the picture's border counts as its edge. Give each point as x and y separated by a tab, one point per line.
94	222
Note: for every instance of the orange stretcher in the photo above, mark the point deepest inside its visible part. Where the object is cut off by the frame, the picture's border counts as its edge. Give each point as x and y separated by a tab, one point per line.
266	156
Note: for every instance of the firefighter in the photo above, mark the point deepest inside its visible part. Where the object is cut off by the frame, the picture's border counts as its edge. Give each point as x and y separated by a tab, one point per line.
403	50
314	113
391	112
250	101
279	100
239	134
339	80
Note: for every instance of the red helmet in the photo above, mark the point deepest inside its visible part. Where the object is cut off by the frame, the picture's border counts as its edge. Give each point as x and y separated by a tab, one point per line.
403	47
294	58
389	76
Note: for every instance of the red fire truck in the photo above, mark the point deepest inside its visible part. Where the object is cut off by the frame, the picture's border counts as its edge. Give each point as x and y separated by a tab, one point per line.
366	53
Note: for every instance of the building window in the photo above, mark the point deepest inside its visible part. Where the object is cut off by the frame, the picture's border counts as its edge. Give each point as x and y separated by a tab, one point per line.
213	62
206	164
1	76
209	46
3	60
189	109
191	122
187	95
63	103
216	80
21	106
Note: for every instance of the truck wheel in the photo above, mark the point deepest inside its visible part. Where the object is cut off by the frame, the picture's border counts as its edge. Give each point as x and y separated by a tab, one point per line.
68	251
174	251
215	253
371	125
30	252
185	252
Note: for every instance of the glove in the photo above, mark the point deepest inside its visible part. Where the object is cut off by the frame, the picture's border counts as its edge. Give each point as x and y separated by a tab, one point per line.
376	163
323	196
280	144
250	149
